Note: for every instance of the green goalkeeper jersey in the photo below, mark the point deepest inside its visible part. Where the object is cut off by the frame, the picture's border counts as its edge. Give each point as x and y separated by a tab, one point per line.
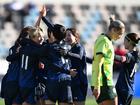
104	46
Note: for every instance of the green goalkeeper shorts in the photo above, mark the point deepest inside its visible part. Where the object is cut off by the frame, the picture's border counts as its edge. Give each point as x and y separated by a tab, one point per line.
107	93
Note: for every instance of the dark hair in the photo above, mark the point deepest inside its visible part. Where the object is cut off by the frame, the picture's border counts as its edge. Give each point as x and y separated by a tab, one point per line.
133	37
23	34
75	33
59	32
49	32
117	24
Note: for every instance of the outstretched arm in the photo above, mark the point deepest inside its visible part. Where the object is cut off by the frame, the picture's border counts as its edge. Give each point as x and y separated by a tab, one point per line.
37	24
127	58
48	23
89	60
43	13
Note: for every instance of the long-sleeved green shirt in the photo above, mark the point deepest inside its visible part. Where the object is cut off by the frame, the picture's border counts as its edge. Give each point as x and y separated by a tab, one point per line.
102	67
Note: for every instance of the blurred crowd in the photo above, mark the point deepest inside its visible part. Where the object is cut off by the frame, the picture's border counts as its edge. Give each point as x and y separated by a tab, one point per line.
89	19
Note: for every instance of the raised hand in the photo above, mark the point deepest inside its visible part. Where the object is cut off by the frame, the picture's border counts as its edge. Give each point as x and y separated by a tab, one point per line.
43	11
42	14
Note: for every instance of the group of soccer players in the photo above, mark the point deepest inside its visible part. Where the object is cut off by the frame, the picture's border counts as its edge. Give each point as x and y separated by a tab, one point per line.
45	72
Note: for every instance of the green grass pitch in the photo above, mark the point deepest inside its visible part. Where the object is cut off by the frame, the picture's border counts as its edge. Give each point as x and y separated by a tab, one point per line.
91	101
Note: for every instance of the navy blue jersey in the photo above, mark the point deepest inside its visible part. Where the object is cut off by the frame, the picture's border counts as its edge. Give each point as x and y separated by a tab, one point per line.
77	56
54	60
54	63
14	66
125	80
42	73
29	65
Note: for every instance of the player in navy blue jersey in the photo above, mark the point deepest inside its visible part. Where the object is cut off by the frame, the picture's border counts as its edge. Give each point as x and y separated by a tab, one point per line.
57	69
77	57
58	72
11	87
28	68
125	82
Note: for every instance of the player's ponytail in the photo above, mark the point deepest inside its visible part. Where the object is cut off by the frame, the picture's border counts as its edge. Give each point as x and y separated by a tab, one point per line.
112	18
115	23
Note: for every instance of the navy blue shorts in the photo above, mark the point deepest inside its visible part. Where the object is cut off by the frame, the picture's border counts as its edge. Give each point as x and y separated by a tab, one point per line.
25	95
124	98
79	92
11	89
3	85
58	91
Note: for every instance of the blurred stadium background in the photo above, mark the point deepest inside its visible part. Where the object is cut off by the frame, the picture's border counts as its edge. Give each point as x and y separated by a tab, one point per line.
90	17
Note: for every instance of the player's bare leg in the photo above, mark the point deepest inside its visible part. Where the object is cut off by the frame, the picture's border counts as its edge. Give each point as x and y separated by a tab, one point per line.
65	104
49	102
16	104
79	103
25	103
110	102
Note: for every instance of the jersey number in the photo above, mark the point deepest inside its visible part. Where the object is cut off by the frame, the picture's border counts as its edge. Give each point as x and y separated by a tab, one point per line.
24	62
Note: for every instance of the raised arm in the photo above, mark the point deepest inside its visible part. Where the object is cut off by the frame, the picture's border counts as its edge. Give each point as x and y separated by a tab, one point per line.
43	14
37	24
